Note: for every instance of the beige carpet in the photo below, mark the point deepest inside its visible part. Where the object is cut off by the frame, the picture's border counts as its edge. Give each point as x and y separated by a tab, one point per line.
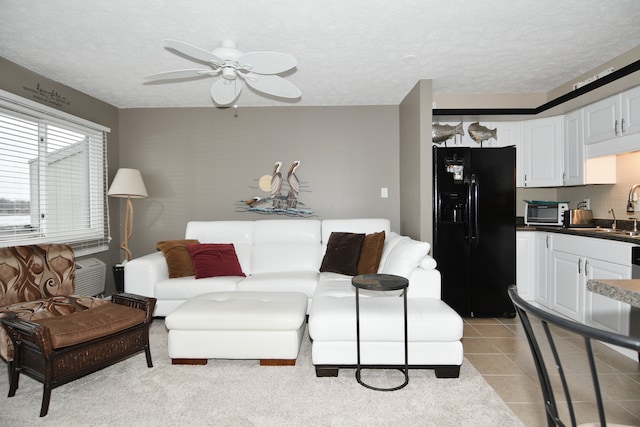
242	393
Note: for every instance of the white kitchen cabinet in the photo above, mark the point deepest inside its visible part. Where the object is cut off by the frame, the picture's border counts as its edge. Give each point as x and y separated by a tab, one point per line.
540	163
526	264
543	244
575	260
612	117
573	149
567	290
577	169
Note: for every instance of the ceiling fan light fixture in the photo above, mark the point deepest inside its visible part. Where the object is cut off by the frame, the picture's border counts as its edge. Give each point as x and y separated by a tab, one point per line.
229	73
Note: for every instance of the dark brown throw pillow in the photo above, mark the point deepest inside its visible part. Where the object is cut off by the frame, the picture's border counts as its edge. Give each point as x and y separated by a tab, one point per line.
371	253
215	259
343	253
178	257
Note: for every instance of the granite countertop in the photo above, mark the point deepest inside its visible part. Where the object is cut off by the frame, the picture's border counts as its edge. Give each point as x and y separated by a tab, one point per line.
627	291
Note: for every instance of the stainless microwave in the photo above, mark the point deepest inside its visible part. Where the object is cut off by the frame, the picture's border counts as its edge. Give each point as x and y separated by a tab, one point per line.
545	212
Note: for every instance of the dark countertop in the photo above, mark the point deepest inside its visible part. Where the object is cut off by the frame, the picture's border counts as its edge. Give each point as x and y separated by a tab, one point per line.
585	232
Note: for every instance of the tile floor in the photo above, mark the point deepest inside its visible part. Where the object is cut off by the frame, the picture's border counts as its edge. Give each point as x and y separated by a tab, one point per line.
498	349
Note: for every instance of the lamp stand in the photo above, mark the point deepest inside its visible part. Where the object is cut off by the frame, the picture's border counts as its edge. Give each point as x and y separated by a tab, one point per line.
128	229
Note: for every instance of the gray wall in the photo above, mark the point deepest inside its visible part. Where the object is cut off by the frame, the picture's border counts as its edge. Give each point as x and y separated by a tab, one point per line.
199	163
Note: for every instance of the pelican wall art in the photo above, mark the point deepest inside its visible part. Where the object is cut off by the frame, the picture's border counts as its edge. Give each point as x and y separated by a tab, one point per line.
279	193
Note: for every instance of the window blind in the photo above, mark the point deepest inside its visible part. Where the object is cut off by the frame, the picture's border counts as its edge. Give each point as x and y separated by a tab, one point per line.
53	178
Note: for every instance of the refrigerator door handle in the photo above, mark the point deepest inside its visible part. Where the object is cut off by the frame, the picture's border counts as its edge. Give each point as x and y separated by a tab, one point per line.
468	232
474	192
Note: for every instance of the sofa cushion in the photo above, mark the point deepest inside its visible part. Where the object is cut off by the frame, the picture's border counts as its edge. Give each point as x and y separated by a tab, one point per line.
178	257
35	271
86	325
371	253
286	245
343	253
405	257
184	288
298	281
41	309
214	260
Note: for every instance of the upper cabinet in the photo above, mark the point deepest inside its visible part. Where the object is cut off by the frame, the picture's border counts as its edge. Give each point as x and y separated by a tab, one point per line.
573	149
618	115
541	153
612	125
578	170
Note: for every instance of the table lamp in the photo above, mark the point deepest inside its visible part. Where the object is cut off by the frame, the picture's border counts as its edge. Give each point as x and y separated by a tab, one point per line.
128	183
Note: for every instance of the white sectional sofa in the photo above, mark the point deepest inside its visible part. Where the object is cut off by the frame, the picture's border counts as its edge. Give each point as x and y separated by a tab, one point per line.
284	255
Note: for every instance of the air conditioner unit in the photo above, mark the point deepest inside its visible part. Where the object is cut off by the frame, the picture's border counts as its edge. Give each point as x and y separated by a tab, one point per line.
90	277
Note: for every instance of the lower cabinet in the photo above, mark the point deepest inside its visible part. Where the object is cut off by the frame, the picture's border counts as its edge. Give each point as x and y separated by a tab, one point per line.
542	244
525	264
573	261
533	250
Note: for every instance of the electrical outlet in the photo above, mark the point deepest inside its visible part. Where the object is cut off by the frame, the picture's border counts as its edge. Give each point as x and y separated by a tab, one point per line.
587	203
384	192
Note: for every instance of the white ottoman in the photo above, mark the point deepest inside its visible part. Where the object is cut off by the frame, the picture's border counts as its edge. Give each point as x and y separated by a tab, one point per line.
238	325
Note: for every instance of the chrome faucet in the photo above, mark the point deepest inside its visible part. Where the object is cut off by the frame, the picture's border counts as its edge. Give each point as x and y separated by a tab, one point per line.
635	224
631	202
615	222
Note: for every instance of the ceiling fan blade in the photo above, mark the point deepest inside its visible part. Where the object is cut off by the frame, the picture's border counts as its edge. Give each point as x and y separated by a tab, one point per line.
193	51
267	62
273	85
181	74
225	92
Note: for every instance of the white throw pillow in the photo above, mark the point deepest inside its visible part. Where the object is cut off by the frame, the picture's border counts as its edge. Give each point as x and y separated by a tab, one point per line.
391	240
405	257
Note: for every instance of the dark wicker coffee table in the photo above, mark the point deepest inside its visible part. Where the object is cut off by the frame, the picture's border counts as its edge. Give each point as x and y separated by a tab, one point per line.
381	282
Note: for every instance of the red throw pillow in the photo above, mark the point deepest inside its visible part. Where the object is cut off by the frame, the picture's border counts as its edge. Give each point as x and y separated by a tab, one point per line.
215	259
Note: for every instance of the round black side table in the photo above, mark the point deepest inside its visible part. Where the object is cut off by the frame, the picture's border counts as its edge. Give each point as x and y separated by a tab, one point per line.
381	282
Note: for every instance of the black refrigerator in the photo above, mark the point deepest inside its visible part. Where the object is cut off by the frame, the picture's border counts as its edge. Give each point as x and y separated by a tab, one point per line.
474	236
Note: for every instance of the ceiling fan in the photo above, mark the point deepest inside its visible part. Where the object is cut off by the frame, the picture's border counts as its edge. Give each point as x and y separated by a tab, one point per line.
257	69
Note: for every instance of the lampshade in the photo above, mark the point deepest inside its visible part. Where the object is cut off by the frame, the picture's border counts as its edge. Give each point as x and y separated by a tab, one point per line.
128	183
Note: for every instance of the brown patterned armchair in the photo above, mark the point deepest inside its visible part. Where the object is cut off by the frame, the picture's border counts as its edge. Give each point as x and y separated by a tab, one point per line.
53	336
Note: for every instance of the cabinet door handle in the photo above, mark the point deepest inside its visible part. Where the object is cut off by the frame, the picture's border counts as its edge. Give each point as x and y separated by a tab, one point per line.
616	128
579	266
586	267
622	126
547	239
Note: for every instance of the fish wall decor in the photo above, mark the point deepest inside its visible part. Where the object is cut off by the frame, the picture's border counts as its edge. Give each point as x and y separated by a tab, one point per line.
441	133
480	133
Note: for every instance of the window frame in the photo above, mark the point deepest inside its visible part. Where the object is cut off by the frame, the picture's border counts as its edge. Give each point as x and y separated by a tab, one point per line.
93	235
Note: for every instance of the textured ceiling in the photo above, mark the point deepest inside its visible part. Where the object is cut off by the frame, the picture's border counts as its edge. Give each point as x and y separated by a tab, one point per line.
349	52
